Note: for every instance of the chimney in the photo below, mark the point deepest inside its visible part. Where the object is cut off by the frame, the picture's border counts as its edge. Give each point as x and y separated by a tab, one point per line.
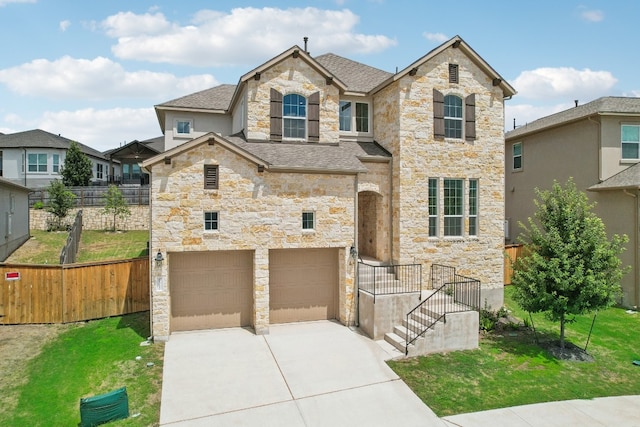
306	39
576	101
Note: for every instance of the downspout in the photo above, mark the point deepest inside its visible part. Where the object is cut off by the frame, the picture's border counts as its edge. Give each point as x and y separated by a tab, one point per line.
356	281
24	165
391	209
599	147
636	249
150	249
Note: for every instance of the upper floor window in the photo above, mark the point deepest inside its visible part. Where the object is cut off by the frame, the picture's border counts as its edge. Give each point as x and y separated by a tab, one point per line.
631	142
99	171
294	116
0	162
350	119
183	127
517	156
56	163
36	162
452	118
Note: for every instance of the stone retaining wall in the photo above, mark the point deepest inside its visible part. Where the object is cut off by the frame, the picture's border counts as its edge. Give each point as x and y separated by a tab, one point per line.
94	219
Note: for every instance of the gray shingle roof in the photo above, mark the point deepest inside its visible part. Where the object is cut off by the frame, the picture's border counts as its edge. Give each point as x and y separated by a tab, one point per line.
604	105
357	76
215	98
627	179
38	138
305	156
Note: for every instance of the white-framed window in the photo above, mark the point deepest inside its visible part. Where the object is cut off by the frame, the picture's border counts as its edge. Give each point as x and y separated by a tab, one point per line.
453	117
453	205
55	163
184	127
630	142
0	162
294	116
99	170
433	207
211	221
308	220
473	207
37	162
517	156
354	116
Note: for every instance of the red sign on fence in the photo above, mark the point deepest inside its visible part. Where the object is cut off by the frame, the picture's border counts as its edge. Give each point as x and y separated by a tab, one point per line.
12	275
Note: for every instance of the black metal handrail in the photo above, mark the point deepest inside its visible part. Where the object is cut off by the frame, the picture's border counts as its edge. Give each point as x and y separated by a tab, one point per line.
454	294
389	279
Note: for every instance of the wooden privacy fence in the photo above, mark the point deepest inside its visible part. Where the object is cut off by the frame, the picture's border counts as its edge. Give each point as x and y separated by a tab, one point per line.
73	292
511	254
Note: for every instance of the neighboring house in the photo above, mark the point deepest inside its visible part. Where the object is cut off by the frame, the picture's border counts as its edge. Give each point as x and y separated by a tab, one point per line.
14	217
34	158
130	155
598	145
270	189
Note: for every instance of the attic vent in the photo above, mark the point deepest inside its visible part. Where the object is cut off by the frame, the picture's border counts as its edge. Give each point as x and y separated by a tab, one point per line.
211	177
453	73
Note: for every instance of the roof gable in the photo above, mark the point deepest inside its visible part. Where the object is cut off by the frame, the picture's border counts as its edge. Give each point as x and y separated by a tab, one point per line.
38	138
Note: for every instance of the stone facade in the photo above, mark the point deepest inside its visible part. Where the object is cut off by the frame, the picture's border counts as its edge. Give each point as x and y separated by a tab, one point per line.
94	219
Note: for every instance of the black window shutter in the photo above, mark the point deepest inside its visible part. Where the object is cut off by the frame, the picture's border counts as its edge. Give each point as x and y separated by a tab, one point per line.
211	177
438	114
276	115
314	117
470	117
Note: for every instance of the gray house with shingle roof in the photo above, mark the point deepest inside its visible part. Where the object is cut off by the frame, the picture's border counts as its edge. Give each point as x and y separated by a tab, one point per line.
598	145
34	158
273	194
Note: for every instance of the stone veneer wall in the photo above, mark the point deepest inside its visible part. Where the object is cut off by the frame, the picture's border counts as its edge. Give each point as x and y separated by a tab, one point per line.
94	219
291	76
406	129
257	211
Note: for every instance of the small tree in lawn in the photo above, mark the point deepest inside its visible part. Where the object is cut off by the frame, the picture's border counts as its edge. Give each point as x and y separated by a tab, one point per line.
115	205
570	266
60	203
77	167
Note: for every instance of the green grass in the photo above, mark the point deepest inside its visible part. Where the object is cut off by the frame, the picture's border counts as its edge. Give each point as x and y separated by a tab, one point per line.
511	369
44	247
88	359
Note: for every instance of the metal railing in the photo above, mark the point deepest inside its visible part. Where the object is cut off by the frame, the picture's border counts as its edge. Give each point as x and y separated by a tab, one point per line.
389	279
453	293
70	250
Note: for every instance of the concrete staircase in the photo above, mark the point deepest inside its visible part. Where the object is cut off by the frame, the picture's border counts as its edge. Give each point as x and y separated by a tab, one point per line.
367	277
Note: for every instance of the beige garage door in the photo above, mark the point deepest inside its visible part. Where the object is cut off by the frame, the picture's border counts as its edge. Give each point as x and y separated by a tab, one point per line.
211	289
303	284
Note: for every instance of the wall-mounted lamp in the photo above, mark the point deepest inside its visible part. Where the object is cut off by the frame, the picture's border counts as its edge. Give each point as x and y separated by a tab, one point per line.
256	76
413	71
353	252
159	257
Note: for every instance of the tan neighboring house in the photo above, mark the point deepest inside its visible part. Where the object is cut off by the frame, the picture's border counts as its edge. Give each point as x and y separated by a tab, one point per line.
271	191
598	145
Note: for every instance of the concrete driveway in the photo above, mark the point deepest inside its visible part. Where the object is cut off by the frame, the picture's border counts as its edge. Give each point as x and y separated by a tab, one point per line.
304	374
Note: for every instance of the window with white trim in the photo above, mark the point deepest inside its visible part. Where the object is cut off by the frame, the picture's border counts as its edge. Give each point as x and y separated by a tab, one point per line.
99	170
36	162
354	120
56	163
184	127
630	142
517	156
473	207
308	220
294	116
453	205
433	207
0	162
211	221
452	116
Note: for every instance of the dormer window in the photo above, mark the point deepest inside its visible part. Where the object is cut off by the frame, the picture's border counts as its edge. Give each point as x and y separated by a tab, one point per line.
294	116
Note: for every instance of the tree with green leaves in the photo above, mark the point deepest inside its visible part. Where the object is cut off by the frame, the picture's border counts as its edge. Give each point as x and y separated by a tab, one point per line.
77	167
570	267
115	205
61	201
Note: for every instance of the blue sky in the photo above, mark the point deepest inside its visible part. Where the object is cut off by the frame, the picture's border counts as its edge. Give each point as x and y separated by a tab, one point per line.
93	70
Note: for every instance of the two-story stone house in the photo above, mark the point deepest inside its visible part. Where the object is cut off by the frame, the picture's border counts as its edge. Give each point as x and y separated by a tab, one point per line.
270	190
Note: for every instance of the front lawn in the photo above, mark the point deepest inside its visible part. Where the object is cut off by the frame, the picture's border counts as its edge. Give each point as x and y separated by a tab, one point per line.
510	369
86	359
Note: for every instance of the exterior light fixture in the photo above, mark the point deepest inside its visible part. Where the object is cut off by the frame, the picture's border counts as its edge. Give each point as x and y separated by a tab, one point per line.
353	252
159	257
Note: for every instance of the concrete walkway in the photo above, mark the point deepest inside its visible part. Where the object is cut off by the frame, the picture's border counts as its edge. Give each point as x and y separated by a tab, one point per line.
305	374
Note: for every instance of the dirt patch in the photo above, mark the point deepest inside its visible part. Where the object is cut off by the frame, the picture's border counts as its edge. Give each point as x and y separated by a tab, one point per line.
18	345
570	352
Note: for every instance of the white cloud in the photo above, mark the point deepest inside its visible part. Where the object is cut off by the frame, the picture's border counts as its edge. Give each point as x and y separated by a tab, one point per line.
102	129
64	25
96	79
591	15
436	37
242	36
6	2
563	83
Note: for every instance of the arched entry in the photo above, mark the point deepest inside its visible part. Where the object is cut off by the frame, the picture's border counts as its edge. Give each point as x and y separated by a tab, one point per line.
369	216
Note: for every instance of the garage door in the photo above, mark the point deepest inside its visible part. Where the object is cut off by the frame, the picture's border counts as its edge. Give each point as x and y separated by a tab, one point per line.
211	289
303	284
